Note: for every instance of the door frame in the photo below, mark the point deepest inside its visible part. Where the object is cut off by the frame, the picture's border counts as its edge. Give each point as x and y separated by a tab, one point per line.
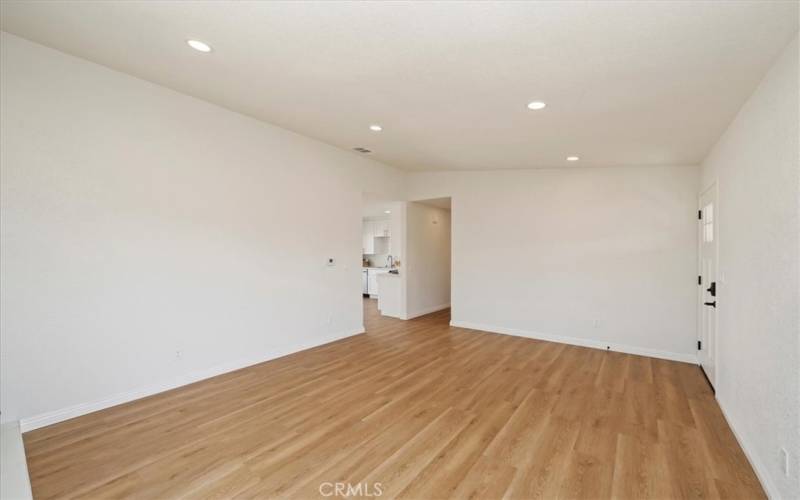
714	185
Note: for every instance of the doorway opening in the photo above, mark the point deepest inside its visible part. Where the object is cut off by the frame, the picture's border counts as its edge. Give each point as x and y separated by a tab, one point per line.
382	245
428	255
406	255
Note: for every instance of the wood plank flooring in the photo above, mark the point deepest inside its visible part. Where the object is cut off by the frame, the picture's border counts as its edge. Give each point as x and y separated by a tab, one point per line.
426	410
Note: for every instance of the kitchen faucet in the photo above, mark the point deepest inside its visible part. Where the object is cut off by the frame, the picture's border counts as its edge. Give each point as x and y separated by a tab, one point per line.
389	262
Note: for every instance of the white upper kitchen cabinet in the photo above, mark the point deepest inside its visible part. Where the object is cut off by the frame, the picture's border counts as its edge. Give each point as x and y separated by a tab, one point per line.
368	237
374	228
381	228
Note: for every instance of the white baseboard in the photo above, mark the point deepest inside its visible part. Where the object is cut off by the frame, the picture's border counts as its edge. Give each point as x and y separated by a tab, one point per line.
595	344
427	310
755	463
53	417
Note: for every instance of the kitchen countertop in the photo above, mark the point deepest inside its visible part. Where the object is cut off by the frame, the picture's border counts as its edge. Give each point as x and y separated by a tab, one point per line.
387	269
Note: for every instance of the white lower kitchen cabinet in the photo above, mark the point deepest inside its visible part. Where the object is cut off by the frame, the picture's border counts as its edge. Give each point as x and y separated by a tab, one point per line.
372	281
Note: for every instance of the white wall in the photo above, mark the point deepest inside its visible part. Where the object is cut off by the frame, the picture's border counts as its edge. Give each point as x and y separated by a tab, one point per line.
137	222
756	164
14	481
545	253
397	229
427	266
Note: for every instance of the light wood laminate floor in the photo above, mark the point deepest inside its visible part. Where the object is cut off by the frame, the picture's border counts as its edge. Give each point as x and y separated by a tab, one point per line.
424	409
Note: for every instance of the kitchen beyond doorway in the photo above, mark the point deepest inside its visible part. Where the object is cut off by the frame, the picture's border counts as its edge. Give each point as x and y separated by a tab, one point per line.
381	242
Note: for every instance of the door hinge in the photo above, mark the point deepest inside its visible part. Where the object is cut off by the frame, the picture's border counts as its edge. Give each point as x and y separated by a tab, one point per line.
699	345
699	215
699	280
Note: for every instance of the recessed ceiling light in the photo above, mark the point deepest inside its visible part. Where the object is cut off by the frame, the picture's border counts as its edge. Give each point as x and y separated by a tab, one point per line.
387	211
536	105
198	45
573	158
375	128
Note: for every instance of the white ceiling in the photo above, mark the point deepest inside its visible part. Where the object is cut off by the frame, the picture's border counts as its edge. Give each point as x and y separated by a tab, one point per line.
626	83
374	205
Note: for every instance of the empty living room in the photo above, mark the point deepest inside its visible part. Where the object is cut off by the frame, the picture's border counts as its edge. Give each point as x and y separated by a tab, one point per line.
425	250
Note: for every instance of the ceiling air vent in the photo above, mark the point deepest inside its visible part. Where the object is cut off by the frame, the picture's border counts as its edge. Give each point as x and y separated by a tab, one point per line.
362	150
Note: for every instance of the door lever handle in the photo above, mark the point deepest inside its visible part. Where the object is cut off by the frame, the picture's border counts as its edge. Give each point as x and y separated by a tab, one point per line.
712	289
712	304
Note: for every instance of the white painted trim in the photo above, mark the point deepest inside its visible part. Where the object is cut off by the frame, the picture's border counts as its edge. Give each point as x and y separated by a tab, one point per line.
595	344
427	310
53	417
758	466
14	480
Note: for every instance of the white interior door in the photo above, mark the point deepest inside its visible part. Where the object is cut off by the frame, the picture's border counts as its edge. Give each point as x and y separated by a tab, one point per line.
707	343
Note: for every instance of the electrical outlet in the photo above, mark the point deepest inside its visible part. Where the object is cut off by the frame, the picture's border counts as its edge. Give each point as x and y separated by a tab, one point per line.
785	462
